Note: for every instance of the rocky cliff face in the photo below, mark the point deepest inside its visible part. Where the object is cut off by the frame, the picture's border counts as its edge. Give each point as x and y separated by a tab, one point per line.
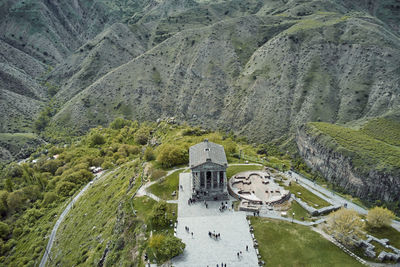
339	169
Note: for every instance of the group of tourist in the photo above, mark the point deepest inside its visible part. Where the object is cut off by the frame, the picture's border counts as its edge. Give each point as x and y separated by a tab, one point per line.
256	213
188	231
191	201
214	235
224	206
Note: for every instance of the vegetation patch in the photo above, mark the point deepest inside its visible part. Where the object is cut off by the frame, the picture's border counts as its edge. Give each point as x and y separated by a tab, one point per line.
164	187
232	170
307	196
287	244
366	151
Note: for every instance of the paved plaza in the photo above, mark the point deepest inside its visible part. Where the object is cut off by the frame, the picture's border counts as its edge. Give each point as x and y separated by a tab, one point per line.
201	250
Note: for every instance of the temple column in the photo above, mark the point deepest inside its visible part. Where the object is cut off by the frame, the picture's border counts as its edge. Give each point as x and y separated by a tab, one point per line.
217	177
225	181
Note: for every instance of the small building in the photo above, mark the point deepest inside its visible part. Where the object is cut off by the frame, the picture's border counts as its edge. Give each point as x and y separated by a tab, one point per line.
207	162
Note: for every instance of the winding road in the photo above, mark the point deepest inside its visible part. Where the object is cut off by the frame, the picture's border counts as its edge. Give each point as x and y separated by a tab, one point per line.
61	218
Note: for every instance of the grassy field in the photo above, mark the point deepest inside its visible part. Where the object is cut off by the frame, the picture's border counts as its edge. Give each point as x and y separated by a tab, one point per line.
386	232
84	233
307	196
287	244
232	170
299	212
164	188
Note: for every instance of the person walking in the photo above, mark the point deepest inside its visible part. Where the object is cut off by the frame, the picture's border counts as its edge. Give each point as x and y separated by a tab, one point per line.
247	248
192	234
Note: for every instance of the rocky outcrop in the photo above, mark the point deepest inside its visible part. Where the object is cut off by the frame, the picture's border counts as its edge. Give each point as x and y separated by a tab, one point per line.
340	170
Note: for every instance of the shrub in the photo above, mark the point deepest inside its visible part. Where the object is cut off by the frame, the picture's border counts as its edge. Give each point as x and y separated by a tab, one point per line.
149	154
166	247
158	218
65	188
379	217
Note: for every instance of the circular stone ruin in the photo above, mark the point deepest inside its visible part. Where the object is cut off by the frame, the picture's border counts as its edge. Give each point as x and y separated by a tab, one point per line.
256	188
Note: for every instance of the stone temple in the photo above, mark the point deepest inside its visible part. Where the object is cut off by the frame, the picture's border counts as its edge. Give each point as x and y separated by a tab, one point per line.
208	164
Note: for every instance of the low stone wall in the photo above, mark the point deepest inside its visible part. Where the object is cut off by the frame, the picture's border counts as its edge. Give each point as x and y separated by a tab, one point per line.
316	212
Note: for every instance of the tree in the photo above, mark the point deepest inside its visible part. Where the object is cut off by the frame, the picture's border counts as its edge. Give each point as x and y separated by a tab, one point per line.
51	166
4	230
15	200
142	135
170	155
158	216
96	139
346	226
120	123
3	202
65	188
166	247
379	217
49	197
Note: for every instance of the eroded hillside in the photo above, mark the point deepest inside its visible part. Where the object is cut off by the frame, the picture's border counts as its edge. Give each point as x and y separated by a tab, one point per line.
257	67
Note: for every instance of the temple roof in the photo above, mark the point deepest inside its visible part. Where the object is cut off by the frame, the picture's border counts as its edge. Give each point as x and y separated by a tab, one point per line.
207	151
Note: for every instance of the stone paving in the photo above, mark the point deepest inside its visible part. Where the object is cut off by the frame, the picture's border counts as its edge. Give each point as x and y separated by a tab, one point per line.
201	250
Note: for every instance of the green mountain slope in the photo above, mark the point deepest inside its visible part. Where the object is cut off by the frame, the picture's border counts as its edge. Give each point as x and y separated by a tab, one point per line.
260	68
259	75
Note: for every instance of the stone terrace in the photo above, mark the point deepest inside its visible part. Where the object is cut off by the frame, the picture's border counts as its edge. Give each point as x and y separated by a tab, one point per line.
201	250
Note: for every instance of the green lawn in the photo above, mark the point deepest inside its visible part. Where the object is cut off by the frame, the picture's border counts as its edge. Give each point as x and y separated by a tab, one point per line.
386	232
299	212
163	189
286	244
307	196
232	170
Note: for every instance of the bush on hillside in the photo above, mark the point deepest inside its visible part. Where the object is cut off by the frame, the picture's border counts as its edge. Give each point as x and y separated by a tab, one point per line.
172	155
166	247
142	135
65	189
120	123
15	200
96	139
149	154
158	217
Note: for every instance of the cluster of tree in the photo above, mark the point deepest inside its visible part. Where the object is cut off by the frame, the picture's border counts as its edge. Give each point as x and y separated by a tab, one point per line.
348	227
30	190
163	246
166	247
